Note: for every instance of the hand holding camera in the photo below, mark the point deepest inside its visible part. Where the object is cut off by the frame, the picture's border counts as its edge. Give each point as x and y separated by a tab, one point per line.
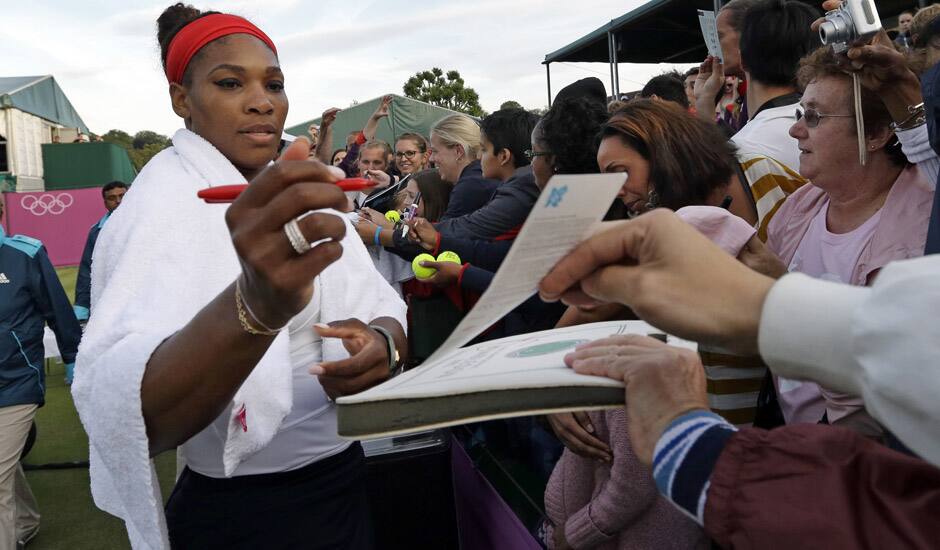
880	67
848	23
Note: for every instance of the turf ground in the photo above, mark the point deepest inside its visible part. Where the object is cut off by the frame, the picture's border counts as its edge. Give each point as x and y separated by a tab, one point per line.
70	520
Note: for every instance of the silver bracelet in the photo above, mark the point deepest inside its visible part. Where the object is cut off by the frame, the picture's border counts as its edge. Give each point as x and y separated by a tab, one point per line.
393	356
918	117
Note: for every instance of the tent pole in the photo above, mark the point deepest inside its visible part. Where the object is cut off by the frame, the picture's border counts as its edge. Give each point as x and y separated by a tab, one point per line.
616	66
717	7
610	61
548	80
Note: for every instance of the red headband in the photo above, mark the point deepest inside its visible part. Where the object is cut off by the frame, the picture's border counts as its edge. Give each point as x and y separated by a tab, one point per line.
191	38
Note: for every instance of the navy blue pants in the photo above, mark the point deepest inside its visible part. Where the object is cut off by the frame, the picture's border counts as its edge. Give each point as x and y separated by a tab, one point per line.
320	506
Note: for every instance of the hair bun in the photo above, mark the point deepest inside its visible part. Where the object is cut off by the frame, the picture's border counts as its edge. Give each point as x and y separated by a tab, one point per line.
171	21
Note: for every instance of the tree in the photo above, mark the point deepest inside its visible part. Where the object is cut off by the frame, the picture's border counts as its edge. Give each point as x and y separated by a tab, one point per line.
144	138
511	105
140	157
118	137
448	91
140	147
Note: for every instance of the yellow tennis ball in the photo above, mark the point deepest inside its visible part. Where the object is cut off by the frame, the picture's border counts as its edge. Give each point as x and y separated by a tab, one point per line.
393	216
448	256
422	272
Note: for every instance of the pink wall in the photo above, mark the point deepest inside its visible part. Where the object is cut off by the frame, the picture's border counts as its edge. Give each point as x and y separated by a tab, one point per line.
60	219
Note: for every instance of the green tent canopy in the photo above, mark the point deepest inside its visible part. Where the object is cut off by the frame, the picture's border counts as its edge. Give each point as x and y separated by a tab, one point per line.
40	96
76	165
405	115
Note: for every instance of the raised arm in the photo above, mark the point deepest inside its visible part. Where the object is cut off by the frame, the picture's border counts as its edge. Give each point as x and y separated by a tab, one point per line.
325	145
194	373
710	78
382	111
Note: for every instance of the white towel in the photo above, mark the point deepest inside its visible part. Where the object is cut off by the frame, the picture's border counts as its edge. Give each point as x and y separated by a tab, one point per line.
162	257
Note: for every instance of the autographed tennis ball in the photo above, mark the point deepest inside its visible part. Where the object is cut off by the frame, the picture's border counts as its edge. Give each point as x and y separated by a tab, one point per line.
448	256
422	272
393	216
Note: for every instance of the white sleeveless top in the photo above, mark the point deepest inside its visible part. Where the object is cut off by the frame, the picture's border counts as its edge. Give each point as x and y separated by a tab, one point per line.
308	432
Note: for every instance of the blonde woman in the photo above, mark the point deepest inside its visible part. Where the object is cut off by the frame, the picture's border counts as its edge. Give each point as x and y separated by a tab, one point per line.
455	151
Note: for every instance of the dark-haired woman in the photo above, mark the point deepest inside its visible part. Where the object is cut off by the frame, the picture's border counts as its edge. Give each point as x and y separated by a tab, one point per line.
337	157
675	160
377	232
233	353
427	186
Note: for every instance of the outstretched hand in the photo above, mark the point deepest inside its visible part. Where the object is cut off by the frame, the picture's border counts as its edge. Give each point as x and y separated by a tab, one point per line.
670	275
382	110
423	232
275	279
329	116
710	79
380	177
446	275
366	366
661	383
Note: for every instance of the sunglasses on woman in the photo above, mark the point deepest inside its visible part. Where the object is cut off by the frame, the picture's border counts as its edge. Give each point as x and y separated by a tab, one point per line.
813	116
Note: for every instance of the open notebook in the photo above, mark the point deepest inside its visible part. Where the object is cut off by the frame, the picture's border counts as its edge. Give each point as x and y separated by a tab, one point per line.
516	376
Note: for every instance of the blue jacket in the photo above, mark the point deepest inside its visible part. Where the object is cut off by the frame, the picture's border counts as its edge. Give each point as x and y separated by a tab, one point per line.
532	315
488	255
30	296
471	191
83	281
504	212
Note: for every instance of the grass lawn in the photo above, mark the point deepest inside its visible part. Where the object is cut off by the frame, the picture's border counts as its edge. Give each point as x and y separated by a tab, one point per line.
69	518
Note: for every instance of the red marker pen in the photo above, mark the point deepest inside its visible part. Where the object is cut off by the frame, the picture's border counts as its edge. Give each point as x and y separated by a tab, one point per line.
228	193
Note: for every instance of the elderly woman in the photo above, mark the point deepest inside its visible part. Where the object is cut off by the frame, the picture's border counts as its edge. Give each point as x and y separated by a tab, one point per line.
853	219
228	330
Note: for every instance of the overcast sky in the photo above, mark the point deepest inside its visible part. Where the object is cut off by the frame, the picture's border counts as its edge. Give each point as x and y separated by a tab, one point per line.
103	53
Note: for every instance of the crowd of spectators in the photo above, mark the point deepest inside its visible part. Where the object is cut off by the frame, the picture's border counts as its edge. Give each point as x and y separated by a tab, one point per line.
769	136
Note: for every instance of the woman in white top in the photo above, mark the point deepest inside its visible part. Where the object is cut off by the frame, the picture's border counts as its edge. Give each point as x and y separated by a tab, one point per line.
233	353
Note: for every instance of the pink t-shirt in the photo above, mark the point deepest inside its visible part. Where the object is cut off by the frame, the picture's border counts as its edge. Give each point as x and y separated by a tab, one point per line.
831	257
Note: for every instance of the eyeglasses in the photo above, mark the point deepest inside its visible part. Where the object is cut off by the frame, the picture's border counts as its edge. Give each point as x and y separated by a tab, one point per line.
530	154
813	116
405	154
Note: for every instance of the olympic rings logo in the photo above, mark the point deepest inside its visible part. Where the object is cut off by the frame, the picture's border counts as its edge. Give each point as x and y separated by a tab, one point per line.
47	203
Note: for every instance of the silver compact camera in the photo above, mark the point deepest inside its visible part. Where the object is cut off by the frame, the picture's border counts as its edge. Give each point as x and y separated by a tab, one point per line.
854	20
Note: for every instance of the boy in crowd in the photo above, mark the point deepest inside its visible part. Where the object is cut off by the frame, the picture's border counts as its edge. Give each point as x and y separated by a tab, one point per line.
506	136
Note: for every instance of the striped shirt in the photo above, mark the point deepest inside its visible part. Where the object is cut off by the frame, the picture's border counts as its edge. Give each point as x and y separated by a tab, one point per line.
734	382
770	182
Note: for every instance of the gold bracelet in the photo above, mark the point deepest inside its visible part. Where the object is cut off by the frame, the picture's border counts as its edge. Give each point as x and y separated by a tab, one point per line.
243	315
